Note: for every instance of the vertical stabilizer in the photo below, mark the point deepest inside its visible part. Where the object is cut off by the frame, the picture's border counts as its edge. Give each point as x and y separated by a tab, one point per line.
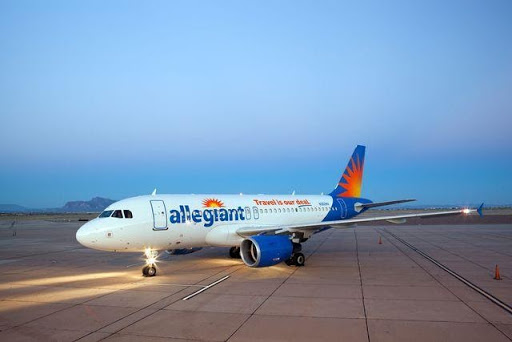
352	179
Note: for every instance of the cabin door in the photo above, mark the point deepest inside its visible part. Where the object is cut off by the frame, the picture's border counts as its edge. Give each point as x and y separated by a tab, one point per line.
159	214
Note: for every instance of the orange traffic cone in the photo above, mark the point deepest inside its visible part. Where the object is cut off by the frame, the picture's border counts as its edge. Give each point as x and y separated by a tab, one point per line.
380	240
497	273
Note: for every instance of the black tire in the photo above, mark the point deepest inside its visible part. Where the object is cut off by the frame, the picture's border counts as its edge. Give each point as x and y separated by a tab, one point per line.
299	259
234	252
289	262
151	272
145	271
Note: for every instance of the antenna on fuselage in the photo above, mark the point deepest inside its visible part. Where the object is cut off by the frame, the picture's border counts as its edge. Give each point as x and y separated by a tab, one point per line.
293	193
153	193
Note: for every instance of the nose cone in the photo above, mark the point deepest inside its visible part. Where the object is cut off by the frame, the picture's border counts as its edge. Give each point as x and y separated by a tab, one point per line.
80	236
85	235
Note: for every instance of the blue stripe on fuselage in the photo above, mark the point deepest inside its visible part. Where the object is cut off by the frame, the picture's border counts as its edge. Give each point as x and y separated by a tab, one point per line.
344	208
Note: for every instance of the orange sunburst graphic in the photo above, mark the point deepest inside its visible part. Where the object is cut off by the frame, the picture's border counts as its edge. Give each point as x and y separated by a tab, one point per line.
212	203
353	177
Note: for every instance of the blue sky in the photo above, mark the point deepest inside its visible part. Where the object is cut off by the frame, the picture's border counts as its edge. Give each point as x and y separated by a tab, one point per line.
116	98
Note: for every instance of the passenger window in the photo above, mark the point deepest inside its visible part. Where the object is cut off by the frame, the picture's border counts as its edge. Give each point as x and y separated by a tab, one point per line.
255	212
265	211
118	214
275	210
247	213
127	214
279	210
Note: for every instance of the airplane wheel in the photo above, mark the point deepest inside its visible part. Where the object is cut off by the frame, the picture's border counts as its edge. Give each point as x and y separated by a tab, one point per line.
289	262
299	259
234	252
151	272
145	271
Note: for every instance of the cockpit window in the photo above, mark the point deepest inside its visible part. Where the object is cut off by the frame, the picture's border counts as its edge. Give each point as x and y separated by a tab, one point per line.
127	214
106	213
118	214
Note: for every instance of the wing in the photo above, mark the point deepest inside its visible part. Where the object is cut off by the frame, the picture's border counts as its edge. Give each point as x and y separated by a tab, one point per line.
288	229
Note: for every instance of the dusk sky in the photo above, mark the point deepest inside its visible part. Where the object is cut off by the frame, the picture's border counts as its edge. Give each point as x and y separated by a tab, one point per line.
116	98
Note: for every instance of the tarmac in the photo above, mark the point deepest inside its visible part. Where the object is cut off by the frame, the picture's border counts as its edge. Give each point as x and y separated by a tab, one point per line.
351	289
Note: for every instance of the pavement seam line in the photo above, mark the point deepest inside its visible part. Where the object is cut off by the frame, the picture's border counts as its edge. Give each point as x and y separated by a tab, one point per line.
453	253
440	283
361	284
277	288
138	320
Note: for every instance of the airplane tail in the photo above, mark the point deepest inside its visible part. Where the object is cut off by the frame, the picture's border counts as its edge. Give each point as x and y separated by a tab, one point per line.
352	179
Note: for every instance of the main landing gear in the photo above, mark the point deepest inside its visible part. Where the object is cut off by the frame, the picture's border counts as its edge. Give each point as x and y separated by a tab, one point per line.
234	252
150	269
297	258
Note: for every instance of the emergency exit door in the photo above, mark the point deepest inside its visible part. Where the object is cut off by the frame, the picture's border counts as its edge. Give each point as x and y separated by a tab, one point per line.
159	214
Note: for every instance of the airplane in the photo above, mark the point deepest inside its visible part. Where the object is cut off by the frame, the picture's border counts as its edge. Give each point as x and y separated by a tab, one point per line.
262	230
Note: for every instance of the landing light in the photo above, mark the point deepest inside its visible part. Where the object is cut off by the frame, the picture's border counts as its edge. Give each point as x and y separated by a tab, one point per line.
151	256
148	253
466	211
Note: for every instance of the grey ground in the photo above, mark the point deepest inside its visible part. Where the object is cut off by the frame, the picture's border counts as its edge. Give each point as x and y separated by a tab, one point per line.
352	289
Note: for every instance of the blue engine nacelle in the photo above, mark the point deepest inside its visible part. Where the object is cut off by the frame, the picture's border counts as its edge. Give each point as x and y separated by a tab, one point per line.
265	250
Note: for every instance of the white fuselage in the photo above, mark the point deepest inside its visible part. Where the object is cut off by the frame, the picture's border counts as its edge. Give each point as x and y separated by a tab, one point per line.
165	222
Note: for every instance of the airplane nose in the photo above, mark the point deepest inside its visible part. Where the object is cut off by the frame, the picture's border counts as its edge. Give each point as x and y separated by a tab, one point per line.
85	235
80	235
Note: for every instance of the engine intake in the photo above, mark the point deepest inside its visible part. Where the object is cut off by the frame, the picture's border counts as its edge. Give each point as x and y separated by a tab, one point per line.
265	250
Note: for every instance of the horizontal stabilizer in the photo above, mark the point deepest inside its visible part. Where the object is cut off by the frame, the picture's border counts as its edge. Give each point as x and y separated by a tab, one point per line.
361	206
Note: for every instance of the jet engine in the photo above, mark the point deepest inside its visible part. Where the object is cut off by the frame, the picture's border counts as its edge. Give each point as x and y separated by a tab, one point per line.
265	250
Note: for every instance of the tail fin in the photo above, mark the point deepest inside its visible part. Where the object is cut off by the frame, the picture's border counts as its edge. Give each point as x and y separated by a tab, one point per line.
352	179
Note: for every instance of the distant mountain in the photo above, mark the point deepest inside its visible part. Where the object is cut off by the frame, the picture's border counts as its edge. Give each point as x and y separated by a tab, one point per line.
97	204
12	208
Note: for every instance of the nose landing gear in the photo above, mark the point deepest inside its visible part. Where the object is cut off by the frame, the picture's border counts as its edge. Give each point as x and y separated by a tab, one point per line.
150	269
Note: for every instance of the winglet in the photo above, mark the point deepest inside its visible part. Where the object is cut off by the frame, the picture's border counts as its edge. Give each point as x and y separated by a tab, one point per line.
479	210
153	193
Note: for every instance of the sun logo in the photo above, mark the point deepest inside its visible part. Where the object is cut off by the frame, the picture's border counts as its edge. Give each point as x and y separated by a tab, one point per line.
212	203
353	177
